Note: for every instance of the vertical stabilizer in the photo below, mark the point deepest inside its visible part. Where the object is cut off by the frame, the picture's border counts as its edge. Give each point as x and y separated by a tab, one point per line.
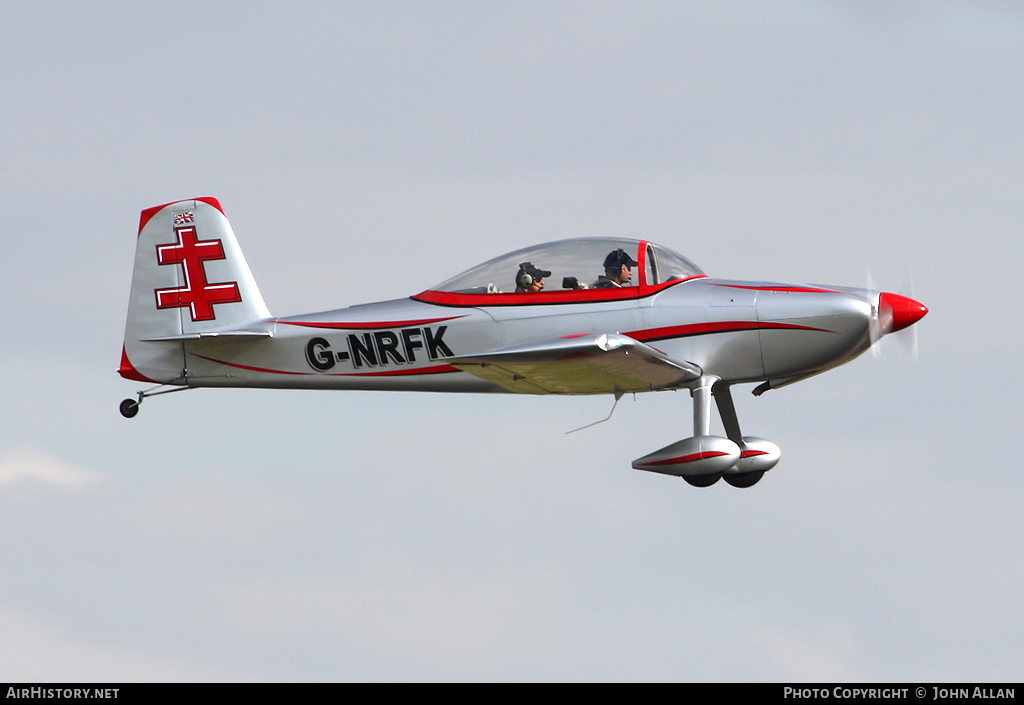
190	277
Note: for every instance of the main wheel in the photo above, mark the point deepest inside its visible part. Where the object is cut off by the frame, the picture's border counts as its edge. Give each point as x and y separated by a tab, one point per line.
703	480
129	407
745	479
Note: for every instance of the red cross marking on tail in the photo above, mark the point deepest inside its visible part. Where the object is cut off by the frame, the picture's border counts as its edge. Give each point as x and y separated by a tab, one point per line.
198	294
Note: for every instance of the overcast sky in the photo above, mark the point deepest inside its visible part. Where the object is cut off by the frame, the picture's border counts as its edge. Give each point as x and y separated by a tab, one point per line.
366	151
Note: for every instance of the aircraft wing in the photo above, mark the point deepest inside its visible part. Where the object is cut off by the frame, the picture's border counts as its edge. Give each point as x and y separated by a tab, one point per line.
591	364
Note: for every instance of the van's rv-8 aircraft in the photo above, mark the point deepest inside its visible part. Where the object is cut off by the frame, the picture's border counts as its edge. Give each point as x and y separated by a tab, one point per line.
653	321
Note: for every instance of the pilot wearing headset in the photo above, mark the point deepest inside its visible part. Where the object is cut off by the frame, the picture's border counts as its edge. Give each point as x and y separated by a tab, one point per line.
530	279
618	268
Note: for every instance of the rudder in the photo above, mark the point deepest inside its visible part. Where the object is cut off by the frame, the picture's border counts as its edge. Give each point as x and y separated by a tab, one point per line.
190	277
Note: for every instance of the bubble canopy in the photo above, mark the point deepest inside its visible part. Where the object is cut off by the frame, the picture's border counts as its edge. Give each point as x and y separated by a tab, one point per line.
577	274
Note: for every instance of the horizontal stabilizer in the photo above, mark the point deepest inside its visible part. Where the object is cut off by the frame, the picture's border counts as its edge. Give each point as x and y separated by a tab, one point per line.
221	336
604	363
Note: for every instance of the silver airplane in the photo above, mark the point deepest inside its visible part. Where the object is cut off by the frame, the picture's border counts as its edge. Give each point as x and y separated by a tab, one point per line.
630	316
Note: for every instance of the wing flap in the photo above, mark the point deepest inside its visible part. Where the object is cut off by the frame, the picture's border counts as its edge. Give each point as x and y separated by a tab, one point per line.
601	363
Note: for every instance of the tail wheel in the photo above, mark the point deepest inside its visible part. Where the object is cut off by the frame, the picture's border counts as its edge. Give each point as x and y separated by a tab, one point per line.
703	480
129	407
745	479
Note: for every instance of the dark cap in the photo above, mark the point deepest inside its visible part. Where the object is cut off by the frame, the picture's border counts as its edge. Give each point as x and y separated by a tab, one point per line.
533	271
616	259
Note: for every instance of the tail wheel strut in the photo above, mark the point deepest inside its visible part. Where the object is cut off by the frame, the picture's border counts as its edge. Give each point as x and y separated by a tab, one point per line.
130	407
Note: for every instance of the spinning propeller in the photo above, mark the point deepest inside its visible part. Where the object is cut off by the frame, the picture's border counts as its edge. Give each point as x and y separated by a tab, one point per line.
894	313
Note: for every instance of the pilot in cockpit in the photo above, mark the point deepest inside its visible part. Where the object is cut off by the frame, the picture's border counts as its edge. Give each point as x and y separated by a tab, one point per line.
530	279
618	268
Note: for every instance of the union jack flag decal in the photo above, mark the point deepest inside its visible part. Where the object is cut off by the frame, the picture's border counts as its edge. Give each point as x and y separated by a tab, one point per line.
183	218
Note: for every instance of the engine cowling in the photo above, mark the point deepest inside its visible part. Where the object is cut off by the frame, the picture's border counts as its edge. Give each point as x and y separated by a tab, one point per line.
700	455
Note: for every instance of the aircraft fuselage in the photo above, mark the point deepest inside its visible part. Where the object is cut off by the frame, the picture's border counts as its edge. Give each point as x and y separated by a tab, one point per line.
736	331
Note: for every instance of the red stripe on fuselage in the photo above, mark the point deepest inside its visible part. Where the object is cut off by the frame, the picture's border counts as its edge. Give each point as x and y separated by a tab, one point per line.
368	324
436	369
250	367
791	289
550	298
715	327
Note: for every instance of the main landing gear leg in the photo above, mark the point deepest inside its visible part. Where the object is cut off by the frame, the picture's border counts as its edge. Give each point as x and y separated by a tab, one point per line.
702	426
757	455
130	407
702	406
702	458
726	409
